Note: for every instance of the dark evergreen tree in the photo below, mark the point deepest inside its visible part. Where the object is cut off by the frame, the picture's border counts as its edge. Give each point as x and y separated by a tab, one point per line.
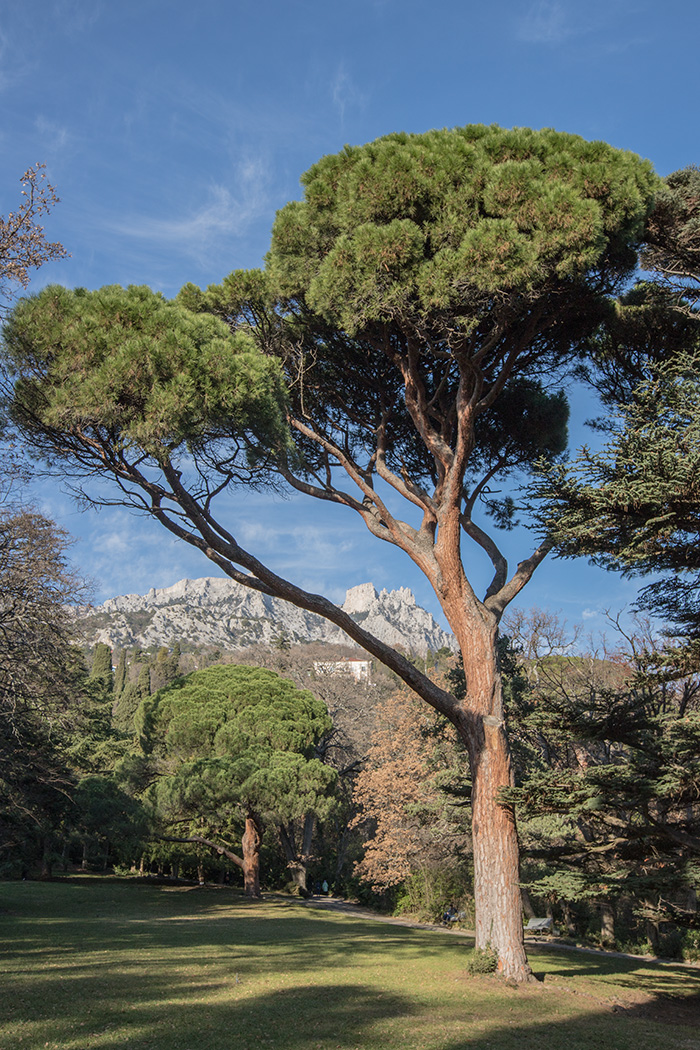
635	506
165	668
110	823
41	685
127	703
101	670
608	803
120	674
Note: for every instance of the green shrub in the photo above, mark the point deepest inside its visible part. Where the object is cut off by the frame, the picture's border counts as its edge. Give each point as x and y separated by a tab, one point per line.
482	961
428	893
690	946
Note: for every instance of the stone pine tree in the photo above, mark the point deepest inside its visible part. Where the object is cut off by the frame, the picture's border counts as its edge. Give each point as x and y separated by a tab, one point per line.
417	305
672	239
233	747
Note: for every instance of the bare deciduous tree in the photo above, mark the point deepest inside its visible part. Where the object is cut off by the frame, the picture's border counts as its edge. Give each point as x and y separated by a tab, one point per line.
23	244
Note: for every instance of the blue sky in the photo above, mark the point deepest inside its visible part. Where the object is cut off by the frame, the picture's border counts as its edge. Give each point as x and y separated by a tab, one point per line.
174	131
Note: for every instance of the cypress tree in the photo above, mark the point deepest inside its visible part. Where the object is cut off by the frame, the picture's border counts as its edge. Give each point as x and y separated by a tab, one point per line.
101	669
120	674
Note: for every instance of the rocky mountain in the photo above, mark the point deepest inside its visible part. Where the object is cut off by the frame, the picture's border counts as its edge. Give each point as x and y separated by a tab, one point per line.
214	612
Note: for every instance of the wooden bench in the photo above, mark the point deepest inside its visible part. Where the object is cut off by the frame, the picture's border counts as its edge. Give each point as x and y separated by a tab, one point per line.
539	927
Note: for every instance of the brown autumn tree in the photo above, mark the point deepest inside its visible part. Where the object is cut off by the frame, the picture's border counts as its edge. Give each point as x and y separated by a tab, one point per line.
396	359
408	794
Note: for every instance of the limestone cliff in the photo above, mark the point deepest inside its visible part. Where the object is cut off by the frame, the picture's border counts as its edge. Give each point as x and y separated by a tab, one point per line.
220	613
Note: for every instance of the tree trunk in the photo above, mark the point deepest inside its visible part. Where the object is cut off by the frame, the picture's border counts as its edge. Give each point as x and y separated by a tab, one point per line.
607	923
568	918
46	858
651	927
250	842
297	862
528	907
497	897
297	871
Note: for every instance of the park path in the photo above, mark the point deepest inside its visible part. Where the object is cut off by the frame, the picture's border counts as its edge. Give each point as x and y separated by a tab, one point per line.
345	907
337	904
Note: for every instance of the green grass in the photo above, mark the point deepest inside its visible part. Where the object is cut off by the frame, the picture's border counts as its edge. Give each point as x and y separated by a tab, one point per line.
104	964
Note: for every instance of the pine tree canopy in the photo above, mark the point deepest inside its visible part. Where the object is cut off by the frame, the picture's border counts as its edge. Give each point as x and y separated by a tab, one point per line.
635	506
427	229
232	738
139	371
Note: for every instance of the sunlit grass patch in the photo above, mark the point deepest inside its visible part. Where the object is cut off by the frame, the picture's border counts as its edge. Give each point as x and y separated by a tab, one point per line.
98	964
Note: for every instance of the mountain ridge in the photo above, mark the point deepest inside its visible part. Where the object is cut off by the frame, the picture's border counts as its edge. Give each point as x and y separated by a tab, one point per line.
217	612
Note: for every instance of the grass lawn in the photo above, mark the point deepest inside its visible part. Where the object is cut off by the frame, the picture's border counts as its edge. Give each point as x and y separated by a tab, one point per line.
106	964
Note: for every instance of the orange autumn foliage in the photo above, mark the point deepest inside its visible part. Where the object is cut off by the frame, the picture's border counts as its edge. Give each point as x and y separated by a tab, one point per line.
409	817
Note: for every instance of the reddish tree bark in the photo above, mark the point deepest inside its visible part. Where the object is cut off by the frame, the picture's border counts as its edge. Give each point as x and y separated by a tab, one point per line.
250	842
249	862
480	722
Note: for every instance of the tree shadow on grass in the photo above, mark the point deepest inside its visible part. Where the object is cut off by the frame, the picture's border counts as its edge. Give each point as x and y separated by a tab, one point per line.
208	972
164	1014
640	974
297	939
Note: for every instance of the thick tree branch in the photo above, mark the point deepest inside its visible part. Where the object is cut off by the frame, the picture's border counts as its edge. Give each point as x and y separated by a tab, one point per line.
496	603
201	841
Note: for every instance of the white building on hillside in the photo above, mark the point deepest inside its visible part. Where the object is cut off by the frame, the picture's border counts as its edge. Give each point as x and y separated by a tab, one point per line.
360	670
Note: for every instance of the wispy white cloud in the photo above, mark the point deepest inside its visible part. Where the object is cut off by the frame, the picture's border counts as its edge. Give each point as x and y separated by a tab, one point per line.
345	92
557	22
4	60
226	211
545	22
292	546
54	136
17	63
77	15
590	614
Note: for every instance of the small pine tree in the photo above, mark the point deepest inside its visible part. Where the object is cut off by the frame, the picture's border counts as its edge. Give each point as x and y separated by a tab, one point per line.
127	702
165	668
159	669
